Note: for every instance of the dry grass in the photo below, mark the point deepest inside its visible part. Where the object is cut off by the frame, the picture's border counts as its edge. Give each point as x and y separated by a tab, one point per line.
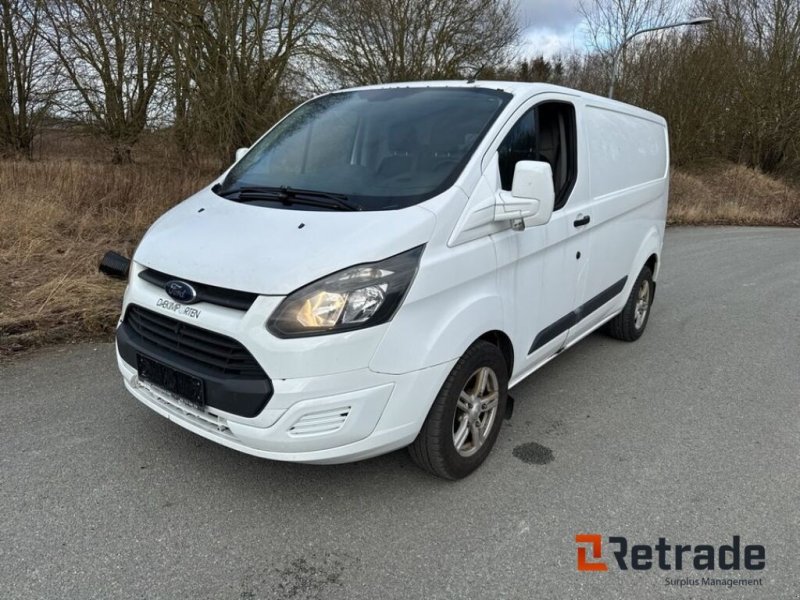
727	194
58	217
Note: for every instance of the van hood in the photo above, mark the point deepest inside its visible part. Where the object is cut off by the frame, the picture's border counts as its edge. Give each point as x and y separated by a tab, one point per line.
273	251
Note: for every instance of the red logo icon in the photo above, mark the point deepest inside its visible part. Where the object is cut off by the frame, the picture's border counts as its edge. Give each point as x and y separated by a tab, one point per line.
596	540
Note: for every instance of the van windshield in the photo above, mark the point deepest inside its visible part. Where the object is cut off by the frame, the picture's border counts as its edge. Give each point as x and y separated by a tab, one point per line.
375	149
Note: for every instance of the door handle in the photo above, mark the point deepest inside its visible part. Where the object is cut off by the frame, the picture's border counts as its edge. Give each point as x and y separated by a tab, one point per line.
581	220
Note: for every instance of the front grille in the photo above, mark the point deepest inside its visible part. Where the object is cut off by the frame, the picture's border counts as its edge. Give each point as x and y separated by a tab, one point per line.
205	293
200	347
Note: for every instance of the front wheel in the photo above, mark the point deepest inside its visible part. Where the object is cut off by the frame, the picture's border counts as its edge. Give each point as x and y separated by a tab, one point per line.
466	416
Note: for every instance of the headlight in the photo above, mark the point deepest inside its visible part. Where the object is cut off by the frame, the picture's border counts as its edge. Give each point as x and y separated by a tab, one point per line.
361	296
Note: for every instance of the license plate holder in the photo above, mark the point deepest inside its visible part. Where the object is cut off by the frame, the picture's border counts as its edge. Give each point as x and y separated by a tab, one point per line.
187	387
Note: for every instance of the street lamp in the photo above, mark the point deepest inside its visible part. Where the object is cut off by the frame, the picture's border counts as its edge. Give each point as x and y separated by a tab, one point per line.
618	51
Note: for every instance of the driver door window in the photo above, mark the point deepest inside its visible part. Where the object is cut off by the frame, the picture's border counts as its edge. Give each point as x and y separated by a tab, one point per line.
545	133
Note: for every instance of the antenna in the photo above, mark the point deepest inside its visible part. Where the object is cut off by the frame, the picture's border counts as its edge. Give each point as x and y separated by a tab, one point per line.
477	72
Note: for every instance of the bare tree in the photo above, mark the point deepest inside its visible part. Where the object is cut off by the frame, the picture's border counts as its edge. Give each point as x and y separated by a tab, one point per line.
26	81
232	61
374	41
756	45
109	53
729	91
610	22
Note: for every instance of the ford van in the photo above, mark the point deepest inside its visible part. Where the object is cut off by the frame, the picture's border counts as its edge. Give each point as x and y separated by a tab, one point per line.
386	262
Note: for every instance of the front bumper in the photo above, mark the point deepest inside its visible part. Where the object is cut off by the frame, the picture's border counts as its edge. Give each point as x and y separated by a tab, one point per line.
241	396
325	404
327	419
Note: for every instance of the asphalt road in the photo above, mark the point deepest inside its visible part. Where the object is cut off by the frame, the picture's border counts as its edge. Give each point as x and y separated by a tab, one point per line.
691	433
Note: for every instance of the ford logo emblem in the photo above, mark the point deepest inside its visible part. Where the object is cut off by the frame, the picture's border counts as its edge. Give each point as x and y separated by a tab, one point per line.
181	291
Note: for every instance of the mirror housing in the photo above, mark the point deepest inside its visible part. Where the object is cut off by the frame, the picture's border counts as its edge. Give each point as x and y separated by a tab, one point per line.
240	153
115	265
532	195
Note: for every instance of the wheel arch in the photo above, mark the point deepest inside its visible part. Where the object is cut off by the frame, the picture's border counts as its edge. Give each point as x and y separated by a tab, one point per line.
648	254
652	262
503	342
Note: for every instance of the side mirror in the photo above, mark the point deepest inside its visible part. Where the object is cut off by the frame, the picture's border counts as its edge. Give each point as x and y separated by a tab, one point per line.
532	195
115	265
240	153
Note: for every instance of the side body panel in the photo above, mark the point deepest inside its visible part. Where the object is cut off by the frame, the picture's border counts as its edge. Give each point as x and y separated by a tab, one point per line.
629	168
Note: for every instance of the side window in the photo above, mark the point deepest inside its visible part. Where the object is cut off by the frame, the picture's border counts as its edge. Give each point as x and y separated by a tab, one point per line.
519	144
547	133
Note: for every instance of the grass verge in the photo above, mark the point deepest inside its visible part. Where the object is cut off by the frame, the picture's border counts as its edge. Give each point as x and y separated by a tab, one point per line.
727	194
57	218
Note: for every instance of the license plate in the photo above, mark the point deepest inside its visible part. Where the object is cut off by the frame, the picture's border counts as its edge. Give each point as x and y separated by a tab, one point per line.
185	386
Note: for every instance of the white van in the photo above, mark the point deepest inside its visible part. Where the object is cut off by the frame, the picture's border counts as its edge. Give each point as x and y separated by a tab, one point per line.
386	262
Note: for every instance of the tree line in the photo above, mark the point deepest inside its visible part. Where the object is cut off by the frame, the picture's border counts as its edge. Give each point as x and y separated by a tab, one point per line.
729	90
217	73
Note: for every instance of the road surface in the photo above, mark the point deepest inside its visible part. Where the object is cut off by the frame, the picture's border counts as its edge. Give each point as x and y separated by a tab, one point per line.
692	433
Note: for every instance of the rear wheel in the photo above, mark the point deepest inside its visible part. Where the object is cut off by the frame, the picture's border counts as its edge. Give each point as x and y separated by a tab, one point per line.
630	323
466	416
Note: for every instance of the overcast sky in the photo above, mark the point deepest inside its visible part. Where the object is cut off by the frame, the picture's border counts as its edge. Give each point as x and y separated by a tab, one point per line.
550	26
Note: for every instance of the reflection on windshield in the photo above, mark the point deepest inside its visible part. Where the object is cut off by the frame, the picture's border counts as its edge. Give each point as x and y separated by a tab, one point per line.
382	149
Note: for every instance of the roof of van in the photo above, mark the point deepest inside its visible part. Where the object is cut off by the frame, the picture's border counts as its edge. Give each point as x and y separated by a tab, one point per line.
512	87
518	88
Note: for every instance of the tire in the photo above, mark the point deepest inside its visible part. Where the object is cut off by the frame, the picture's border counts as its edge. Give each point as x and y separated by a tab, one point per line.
469	416
629	325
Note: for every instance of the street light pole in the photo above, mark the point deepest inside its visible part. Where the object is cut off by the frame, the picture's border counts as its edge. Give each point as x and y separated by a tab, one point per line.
626	41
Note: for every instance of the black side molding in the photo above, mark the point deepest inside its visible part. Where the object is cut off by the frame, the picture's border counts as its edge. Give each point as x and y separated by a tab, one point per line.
571	319
551	332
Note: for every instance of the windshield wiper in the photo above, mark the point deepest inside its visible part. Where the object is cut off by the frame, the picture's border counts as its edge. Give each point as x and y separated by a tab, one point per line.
288	195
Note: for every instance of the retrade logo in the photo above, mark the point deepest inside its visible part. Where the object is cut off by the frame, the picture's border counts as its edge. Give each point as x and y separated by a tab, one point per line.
667	557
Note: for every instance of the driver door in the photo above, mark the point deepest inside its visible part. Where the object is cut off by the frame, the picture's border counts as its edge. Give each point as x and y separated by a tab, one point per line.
542	270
